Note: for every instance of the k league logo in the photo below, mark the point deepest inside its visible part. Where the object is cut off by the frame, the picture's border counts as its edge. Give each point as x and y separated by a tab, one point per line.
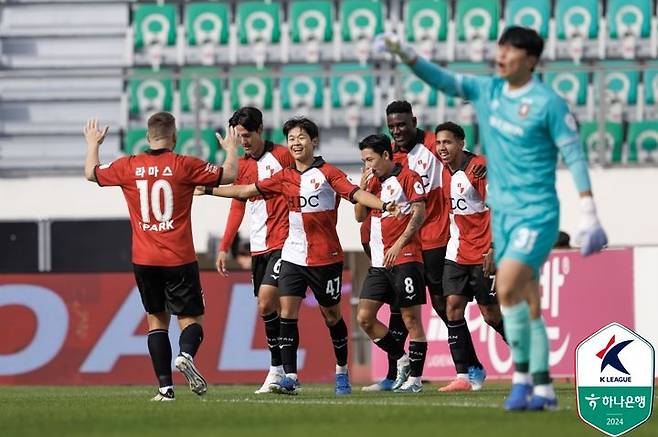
614	379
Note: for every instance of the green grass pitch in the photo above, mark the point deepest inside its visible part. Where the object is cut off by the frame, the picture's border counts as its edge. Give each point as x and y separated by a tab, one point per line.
316	412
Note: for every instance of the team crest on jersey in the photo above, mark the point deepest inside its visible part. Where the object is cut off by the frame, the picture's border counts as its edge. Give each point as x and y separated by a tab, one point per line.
423	164
269	170
315	183
418	188
460	187
391	190
524	108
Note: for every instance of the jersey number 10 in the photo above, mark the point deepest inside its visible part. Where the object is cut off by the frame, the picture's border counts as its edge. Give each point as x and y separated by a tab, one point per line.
159	187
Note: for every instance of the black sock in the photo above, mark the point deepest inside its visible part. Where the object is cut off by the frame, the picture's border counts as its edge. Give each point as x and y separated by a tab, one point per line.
417	353
461	345
499	328
288	343
389	345
190	339
160	351
399	331
272	329
339	339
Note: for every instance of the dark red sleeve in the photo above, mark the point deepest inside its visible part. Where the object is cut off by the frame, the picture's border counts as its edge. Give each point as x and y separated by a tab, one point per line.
235	216
339	182
199	172
284	157
114	173
365	230
273	184
479	184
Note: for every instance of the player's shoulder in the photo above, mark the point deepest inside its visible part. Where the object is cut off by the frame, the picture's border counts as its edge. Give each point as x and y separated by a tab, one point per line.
282	154
546	92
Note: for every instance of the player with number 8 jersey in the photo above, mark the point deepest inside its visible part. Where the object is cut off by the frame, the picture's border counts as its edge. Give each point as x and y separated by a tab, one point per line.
158	186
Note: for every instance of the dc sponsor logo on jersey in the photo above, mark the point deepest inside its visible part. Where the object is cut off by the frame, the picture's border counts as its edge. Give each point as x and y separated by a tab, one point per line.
570	121
418	188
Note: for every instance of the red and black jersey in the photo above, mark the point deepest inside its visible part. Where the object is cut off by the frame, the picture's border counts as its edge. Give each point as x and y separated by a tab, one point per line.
470	231
313	197
268	214
402	187
158	186
422	159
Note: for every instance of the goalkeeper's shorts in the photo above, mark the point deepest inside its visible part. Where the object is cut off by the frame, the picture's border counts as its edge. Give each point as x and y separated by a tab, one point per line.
528	239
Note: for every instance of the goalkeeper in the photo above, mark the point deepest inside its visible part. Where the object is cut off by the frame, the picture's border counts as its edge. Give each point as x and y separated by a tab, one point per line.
523	125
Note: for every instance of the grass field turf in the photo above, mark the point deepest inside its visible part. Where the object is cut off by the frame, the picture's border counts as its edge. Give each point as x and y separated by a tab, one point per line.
236	411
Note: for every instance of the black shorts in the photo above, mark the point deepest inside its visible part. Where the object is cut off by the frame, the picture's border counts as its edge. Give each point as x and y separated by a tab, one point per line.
176	290
265	269
469	281
402	286
325	282
434	260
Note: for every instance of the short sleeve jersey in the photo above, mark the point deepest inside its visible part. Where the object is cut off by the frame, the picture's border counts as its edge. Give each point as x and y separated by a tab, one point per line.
313	197
158	186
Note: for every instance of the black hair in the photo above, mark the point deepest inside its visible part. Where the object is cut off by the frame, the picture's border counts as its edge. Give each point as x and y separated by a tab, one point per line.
456	129
379	143
303	123
248	117
399	107
523	38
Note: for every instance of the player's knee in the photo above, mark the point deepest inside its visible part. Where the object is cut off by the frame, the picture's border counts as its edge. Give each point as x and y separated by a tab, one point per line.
455	312
365	320
331	317
266	307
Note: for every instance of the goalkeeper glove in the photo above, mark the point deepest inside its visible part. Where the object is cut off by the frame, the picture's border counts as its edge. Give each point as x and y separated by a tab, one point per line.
391	43
590	235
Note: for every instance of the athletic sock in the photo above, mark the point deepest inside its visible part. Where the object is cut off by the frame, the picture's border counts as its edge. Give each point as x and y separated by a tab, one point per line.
288	343
388	344
272	329
190	339
517	332
160	351
539	349
417	353
460	342
399	331
338	334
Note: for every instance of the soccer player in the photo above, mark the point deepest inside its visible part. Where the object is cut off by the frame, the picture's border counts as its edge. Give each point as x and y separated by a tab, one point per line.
415	148
465	275
396	272
158	186
524	124
311	255
268	227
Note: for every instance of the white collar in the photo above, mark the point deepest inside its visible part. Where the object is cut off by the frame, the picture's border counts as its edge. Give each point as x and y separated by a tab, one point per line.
519	91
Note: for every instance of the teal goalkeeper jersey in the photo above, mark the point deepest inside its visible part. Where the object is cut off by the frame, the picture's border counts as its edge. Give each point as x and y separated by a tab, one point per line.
521	132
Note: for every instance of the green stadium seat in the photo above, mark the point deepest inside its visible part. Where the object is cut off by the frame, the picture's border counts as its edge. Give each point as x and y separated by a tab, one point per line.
301	86
650	81
360	21
642	138
621	81
250	87
577	18
210	88
155	24
471	137
570	85
135	142
205	149
613	143
259	28
276	136
150	94
629	22
477	18
207	23
477	29
416	91
426	20
577	28
311	20
348	87
535	14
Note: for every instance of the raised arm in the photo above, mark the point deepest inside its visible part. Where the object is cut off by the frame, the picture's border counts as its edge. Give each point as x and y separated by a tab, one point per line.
230	145
361	212
94	138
